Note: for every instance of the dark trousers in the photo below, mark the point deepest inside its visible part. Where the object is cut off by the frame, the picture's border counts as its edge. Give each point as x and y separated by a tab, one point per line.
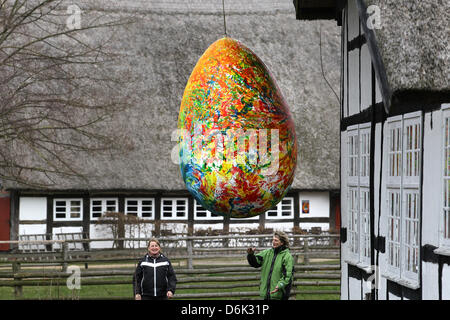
154	298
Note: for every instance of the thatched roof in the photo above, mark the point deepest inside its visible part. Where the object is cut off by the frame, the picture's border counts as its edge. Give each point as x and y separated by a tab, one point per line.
413	43
409	49
162	47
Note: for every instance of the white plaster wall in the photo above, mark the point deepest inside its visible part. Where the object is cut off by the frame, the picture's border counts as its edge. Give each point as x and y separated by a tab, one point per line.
32	208
355	289
32	229
144	231
39	229
212	226
281	226
432	198
319	204
176	228
243	227
97	232
446	282
77	246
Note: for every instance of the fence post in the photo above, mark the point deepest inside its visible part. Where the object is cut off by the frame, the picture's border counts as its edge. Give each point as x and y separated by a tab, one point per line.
17	289
306	251
189	253
64	256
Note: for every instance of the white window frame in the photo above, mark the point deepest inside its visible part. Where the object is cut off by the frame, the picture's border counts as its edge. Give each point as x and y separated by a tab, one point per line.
393	236
174	209
404	183
67	212
104	206
279	210
139	211
358	195
209	216
444	220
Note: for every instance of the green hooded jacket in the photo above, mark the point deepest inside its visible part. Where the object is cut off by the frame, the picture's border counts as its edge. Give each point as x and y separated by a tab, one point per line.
277	268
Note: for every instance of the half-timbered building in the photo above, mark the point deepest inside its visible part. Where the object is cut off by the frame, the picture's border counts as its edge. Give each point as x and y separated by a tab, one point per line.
394	146
161	47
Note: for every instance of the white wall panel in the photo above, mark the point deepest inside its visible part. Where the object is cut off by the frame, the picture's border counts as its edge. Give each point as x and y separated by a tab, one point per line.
281	226
27	229
354	289
446	282
353	83
97	232
366	78
32	208
319	204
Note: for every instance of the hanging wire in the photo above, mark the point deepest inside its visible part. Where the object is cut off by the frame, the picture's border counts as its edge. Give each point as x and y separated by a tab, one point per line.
321	63
224	22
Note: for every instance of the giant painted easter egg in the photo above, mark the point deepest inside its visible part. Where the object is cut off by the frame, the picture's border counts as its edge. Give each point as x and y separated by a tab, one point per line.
238	148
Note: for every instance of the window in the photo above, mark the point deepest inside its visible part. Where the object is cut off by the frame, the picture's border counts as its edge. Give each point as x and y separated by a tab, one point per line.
201	213
358	195
403	198
353	234
283	210
142	208
445	219
67	209
393	235
100	206
174	209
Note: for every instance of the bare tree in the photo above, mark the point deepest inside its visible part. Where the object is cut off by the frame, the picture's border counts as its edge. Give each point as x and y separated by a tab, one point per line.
118	225
58	90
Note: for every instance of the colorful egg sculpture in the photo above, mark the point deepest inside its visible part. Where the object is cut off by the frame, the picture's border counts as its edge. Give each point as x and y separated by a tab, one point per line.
237	142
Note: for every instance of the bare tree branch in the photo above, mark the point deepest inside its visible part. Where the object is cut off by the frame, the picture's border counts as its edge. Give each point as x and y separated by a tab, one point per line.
58	92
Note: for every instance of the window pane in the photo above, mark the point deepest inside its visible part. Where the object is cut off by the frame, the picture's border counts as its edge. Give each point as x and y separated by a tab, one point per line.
75	214
272	213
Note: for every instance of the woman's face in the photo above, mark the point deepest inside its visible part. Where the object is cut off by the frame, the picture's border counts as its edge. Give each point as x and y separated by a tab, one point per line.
276	242
153	248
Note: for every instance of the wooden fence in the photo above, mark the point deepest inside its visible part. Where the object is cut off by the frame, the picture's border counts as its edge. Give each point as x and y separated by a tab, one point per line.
204	269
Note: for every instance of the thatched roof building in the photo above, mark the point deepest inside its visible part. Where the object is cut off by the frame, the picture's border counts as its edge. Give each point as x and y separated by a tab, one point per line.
395	103
160	49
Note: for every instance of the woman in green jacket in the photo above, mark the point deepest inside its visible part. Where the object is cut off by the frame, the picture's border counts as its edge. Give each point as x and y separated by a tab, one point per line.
277	268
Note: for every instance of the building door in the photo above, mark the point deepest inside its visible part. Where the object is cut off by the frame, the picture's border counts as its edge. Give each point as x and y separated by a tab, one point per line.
4	221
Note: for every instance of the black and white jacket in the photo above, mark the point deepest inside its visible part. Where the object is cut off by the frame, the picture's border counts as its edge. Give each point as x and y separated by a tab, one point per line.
154	276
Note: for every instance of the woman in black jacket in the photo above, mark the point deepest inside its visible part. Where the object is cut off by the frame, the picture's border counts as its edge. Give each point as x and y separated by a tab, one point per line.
154	277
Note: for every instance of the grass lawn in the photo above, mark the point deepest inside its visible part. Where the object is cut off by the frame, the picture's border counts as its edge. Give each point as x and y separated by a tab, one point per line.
59	291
